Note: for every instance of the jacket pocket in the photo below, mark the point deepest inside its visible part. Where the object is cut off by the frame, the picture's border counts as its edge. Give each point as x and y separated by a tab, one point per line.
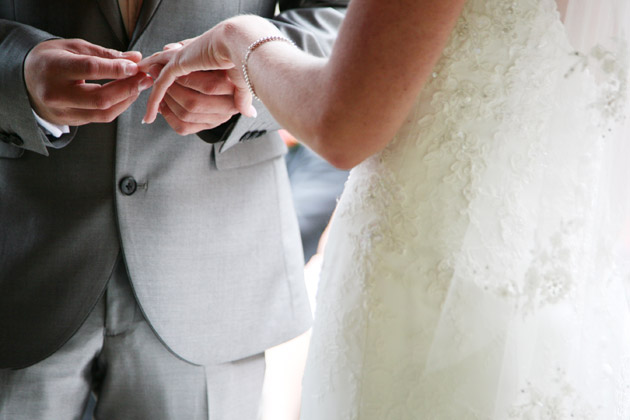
251	152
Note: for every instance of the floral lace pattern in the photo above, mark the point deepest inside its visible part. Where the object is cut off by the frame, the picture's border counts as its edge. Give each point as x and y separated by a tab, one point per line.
562	403
458	278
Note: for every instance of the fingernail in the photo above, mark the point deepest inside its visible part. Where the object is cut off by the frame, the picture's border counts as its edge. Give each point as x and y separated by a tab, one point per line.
130	68
143	121
132	54
173	46
146	83
252	111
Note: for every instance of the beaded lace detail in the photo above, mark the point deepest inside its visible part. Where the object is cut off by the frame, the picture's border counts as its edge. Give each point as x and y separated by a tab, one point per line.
458	277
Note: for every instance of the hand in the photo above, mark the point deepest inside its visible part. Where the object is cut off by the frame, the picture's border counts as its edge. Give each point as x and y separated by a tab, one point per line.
195	55
57	74
199	101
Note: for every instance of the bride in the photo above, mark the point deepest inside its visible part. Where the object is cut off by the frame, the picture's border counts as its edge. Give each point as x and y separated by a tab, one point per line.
475	264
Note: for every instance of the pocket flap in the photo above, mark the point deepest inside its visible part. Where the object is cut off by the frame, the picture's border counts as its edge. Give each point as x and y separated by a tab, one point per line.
247	153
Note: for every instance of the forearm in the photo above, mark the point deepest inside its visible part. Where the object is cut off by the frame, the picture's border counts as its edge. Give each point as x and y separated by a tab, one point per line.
303	95
278	73
351	106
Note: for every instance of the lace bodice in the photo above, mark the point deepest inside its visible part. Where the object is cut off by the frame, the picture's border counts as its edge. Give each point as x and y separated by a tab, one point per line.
458	277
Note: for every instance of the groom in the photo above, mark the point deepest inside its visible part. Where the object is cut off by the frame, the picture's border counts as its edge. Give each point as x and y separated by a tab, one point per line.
153	264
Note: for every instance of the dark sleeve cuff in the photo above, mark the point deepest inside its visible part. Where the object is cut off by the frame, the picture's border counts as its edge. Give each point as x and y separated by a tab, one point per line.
220	133
295	4
16	117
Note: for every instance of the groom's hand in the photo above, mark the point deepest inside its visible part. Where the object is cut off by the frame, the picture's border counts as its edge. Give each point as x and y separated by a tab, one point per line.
199	101
58	74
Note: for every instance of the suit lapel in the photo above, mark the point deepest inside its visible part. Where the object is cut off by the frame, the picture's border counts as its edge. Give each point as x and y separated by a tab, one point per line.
146	13
111	11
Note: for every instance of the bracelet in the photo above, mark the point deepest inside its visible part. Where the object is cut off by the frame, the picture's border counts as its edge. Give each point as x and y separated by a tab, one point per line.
251	49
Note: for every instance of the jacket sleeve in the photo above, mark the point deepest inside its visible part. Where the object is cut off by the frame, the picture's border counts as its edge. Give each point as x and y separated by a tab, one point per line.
19	130
313	26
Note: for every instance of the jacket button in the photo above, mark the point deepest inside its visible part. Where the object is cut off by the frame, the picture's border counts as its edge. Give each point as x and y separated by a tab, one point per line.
128	185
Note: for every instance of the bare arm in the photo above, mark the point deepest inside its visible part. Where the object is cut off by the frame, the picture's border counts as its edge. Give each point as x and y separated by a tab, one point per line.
350	106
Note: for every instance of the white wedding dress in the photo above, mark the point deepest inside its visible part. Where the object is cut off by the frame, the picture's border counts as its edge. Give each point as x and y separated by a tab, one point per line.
472	267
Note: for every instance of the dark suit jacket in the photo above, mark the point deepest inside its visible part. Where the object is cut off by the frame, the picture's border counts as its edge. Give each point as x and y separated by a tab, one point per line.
209	235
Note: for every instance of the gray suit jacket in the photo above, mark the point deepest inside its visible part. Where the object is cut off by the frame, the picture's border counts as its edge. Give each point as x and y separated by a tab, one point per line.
209	235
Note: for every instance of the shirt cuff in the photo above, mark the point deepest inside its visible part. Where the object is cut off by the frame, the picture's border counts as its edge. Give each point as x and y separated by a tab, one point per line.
50	128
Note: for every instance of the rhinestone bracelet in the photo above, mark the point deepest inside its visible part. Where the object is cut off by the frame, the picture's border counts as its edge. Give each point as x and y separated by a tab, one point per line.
251	49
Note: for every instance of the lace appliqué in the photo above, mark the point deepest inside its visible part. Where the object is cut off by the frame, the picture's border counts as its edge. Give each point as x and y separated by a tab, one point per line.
612	70
550	278
562	403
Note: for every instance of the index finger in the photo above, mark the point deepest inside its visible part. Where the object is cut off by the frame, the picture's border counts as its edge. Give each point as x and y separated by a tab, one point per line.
213	82
160	58
82	47
83	67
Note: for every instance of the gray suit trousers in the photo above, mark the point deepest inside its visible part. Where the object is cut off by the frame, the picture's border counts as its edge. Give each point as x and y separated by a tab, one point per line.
116	355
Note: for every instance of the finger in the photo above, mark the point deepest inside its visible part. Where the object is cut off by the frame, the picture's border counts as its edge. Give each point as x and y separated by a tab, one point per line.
197	118
134	56
173	46
76	117
242	95
162	83
213	82
183	128
84	67
95	96
159	58
179	44
82	47
155	70
193	101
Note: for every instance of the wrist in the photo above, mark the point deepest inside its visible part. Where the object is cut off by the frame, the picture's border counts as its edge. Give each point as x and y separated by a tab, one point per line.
238	34
252	47
32	76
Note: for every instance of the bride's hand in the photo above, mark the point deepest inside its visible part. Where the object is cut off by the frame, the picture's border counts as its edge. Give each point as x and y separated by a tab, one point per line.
204	52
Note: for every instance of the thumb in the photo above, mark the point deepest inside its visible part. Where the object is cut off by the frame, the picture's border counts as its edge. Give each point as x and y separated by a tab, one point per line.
242	95
243	102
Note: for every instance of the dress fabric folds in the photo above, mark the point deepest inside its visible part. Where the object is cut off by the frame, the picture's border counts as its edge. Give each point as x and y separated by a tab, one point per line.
476	267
